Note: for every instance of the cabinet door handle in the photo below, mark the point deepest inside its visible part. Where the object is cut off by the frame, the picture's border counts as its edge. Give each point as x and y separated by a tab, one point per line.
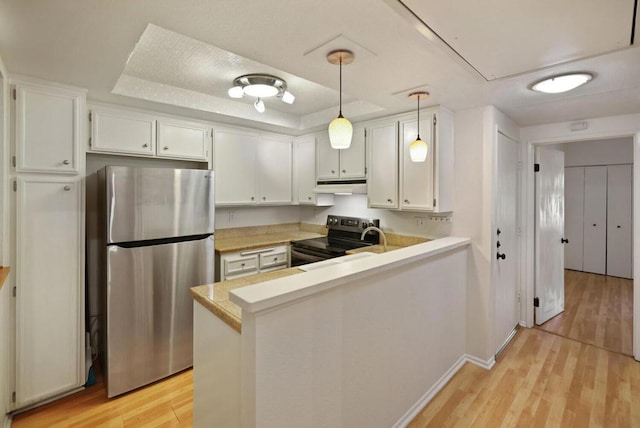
390	201
145	145
618	226
564	241
501	256
253	198
333	171
344	171
594	225
311	198
65	162
406	201
264	198
165	148
67	188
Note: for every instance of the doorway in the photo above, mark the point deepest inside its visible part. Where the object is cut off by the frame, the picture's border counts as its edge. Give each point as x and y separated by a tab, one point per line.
597	285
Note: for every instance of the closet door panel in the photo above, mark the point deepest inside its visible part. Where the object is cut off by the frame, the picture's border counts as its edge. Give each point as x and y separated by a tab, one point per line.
595	219
573	217
619	233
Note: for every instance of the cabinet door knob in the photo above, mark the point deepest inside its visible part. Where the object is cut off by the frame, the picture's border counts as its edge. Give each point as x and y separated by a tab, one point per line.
564	241
389	200
618	226
253	199
406	201
344	171
165	148
333	171
67	188
310	199
501	256
264	198
65	162
594	225
145	145
242	264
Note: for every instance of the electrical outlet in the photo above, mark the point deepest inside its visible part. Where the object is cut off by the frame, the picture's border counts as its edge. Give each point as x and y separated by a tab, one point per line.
419	221
232	214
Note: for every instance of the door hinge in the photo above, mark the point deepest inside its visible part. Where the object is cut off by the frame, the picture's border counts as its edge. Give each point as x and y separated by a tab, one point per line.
211	132
89	141
536	302
536	167
519	164
15	186
434	202
15	94
435	120
90	117
13	161
14	291
365	169
13	397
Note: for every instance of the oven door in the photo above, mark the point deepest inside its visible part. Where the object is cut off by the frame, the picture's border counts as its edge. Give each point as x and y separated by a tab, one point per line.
303	256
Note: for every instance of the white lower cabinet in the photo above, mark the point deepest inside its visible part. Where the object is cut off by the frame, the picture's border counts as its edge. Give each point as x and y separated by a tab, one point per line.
249	262
49	288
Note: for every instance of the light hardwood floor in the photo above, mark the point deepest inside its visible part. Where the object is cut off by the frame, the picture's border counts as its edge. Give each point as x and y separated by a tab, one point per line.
598	311
541	379
165	403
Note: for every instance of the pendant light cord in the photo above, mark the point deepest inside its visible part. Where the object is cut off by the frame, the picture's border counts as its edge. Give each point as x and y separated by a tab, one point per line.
340	113
418	97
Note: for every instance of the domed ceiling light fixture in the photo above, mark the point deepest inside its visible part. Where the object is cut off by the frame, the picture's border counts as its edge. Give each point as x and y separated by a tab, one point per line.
340	129
260	86
561	83
418	149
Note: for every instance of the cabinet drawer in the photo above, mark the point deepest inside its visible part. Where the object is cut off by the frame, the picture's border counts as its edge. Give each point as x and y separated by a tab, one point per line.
240	265
273	258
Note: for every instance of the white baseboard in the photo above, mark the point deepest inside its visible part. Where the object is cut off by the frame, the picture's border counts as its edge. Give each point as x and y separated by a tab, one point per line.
487	365
7	421
523	324
428	396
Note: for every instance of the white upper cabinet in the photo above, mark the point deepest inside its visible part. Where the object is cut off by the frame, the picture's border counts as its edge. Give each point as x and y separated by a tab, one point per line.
120	131
382	184
141	134
48	128
183	140
305	173
428	186
275	171
252	169
347	164
235	167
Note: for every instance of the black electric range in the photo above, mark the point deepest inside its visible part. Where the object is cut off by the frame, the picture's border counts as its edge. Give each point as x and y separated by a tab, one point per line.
344	234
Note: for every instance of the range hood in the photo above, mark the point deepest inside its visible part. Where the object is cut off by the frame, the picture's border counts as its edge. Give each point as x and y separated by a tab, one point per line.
344	187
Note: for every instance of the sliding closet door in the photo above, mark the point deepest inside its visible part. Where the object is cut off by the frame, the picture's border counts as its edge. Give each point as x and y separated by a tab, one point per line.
595	219
573	216
619	249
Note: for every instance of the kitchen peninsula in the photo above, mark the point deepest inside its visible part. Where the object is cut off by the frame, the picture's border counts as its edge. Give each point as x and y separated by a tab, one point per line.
361	343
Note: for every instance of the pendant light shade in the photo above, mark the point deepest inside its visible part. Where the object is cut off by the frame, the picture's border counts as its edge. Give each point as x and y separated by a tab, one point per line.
418	149
340	129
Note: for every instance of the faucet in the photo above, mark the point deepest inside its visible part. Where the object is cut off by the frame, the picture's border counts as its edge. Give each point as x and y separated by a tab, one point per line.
375	229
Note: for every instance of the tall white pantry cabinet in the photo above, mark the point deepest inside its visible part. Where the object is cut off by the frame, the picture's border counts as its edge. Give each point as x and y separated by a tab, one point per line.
48	222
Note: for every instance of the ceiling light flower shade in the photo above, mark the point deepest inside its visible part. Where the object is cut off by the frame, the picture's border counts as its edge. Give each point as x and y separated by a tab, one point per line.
418	149
260	86
340	129
561	83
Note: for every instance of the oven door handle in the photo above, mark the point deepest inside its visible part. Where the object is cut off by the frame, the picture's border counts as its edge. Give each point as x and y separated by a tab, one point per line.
308	258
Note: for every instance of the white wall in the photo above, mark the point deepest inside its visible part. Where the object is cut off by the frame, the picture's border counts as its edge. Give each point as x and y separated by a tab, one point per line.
399	222
473	214
610	151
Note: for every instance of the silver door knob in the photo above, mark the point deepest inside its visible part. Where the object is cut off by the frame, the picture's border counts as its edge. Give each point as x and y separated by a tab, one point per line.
65	162
165	148
145	145
67	188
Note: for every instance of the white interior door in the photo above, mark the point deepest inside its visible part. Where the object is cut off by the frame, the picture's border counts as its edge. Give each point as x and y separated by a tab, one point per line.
549	254
573	216
507	313
619	199
595	220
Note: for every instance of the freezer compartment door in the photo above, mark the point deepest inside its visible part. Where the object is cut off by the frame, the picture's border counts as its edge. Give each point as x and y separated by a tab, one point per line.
150	310
156	203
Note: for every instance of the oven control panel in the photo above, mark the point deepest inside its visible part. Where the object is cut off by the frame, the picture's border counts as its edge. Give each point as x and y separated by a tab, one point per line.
350	224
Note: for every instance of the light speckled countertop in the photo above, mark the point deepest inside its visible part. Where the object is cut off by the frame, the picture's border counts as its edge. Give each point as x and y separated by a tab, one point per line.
4	273
215	297
246	238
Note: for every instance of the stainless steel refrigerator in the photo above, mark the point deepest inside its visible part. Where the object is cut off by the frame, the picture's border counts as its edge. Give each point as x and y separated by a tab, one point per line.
158	228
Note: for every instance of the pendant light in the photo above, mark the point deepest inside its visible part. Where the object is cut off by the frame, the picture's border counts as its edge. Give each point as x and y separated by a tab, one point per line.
340	129
419	149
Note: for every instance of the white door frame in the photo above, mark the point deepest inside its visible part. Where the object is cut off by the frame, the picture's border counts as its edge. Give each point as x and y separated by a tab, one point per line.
529	192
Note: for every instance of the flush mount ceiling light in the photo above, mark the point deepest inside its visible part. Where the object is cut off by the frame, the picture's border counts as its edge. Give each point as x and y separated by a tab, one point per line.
260	86
419	149
561	83
340	129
